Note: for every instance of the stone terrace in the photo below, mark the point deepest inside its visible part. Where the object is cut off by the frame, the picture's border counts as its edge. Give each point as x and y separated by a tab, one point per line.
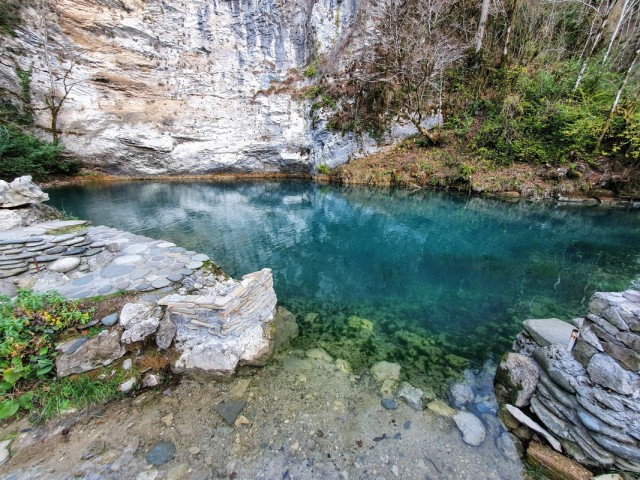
90	261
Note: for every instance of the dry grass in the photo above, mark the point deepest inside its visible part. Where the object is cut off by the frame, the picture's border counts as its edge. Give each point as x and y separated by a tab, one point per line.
447	167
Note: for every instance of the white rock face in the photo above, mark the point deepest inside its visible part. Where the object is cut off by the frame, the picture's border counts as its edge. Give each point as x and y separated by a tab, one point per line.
139	320
171	87
22	191
9	220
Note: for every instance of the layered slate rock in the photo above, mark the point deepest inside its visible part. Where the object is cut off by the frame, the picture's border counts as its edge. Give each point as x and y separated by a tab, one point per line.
82	355
216	334
588	399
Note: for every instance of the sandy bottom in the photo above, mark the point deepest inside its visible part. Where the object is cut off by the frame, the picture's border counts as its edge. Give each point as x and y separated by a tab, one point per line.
303	419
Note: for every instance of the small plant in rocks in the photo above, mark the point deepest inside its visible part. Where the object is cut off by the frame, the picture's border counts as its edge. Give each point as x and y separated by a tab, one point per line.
30	325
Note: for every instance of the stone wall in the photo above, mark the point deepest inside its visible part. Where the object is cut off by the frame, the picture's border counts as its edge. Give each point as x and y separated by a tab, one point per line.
586	401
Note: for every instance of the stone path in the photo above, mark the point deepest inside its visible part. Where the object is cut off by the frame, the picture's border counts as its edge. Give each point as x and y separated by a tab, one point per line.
91	261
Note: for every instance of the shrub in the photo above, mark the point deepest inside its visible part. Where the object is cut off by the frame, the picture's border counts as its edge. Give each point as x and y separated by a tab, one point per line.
324	170
23	154
29	328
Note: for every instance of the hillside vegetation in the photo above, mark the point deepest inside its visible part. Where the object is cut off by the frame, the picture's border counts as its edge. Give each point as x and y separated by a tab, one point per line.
543	83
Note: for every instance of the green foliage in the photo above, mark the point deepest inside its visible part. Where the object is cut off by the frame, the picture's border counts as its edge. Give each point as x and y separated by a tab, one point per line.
24	154
65	393
29	328
324	170
26	114
312	70
539	118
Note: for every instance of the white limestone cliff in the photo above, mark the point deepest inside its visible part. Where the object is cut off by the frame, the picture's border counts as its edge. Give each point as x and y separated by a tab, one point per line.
186	87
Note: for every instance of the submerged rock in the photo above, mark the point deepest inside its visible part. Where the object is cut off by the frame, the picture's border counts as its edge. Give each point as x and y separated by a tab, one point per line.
387	375
382	371
319	354
441	408
414	397
461	394
472	429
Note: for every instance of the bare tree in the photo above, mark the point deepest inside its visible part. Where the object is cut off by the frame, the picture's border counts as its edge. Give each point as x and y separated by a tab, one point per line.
482	24
598	25
58	70
621	19
408	50
616	101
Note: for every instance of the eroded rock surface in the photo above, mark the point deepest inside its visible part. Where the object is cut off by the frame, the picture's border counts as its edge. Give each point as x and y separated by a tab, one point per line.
82	355
21	191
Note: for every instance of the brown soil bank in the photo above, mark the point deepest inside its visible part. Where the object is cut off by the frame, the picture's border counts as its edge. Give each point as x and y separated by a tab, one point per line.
448	167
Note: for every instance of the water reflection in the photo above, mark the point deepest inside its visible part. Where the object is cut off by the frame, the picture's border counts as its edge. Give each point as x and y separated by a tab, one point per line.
461	272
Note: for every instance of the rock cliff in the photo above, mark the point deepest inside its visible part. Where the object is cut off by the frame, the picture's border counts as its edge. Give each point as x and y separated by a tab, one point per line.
177	87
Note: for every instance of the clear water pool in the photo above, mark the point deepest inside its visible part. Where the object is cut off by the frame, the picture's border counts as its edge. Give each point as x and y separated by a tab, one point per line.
434	281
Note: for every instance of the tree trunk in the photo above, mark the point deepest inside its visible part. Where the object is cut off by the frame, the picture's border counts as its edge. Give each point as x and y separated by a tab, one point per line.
617	99
482	24
623	14
511	15
423	131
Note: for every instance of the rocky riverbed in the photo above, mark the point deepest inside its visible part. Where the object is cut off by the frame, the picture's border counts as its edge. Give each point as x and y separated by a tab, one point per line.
301	416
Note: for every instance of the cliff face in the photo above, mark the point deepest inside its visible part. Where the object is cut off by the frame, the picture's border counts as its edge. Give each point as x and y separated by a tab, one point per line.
176	86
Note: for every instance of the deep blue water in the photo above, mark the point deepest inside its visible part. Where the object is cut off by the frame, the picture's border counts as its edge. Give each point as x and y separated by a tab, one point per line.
433	279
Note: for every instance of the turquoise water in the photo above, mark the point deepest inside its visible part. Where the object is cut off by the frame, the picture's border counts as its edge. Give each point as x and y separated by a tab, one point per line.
434	281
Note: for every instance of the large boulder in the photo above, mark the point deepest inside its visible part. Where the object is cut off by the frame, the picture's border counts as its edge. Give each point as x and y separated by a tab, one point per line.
204	353
139	320
82	354
21	191
216	334
516	379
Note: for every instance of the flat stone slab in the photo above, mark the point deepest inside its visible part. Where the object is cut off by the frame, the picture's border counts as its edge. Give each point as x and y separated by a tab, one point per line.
161	453
549	331
229	411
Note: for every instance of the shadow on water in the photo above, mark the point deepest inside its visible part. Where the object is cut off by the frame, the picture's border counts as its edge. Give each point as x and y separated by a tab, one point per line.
434	281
